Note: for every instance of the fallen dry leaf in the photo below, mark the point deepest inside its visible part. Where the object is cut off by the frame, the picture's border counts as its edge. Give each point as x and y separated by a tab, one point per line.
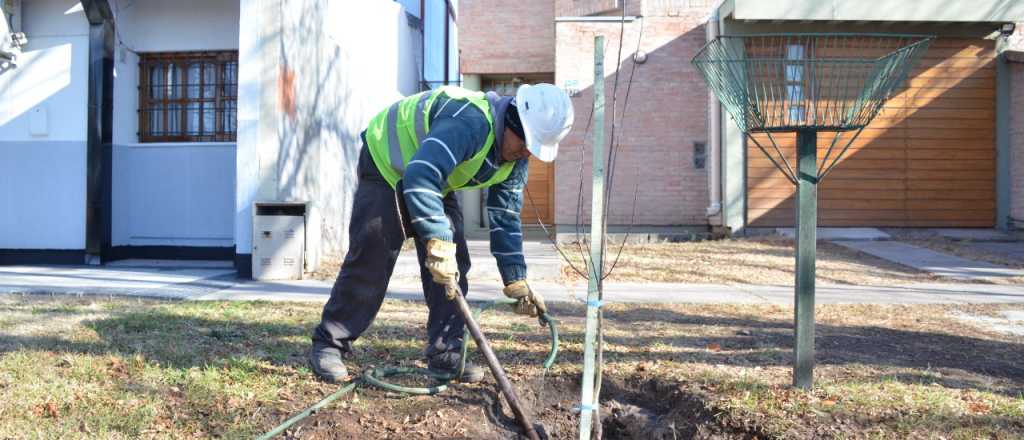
51	410
978	407
714	346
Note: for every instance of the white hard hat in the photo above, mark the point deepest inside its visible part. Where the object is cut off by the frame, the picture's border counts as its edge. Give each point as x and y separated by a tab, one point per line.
547	116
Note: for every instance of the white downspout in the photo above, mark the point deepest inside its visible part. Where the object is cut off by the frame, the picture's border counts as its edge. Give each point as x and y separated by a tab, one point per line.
714	210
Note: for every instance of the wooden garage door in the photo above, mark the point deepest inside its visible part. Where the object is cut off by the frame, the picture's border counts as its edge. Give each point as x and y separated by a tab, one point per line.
927	160
540	188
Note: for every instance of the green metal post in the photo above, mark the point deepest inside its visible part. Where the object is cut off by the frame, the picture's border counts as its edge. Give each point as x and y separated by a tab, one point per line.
806	248
588	401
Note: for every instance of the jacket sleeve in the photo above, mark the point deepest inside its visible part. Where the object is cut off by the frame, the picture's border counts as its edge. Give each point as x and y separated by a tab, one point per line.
452	139
504	204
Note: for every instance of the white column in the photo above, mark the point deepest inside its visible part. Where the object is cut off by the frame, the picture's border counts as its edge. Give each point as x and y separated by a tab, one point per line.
250	96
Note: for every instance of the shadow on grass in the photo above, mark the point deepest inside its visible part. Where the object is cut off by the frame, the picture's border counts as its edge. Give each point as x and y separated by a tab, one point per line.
171	339
961	361
180	341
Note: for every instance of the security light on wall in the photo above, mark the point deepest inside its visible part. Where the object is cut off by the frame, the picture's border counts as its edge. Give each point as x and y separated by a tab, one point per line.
1007	29
18	39
10	48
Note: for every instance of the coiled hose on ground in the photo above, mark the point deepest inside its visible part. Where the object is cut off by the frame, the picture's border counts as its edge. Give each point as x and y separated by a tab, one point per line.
375	376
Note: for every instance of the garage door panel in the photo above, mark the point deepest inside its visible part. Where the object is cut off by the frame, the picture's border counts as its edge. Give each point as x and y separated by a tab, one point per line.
958	223
955	91
949	215
833	183
864	215
950	154
944	184
948	103
859	194
952	82
953	73
983	205
832	204
950	133
962	164
928	159
948	122
963	144
854	154
954	63
950	194
949	174
986	114
849	161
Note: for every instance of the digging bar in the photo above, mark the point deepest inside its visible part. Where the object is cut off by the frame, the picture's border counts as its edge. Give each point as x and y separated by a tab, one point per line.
455	294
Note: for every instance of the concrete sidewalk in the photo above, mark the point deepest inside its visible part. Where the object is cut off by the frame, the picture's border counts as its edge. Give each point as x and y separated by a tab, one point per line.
542	259
211	282
931	261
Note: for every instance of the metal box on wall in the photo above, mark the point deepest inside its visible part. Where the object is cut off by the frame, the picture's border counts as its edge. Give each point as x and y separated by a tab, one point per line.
278	242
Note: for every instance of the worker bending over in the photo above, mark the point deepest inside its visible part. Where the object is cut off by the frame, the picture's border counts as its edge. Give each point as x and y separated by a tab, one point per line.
415	154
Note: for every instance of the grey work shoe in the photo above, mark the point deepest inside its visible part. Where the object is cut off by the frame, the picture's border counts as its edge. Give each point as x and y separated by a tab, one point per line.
448	363
325	361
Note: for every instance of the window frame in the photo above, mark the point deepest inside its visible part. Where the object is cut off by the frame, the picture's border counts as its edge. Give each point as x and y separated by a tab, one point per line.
221	100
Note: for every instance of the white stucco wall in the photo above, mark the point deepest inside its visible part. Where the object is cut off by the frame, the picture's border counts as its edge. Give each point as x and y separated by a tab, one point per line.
173	194
42	131
169	194
348	60
163	26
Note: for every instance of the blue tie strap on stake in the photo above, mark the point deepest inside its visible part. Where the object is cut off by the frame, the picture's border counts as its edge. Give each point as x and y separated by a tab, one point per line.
595	303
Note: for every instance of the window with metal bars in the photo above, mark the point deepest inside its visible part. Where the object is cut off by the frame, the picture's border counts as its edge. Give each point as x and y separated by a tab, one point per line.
188	96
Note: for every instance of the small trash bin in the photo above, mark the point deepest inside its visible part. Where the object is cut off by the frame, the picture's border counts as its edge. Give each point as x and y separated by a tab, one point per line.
279	239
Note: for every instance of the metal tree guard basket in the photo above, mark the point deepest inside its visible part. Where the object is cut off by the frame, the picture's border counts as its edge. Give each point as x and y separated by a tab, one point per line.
807	83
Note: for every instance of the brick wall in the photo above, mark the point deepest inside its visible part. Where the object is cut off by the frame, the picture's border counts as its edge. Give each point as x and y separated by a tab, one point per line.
646	8
667	113
580	8
505	37
1017	141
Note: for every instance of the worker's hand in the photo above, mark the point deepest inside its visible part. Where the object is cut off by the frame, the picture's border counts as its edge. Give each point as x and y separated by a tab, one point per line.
528	302
441	261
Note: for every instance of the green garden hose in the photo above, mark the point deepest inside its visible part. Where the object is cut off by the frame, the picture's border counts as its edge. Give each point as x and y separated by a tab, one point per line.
375	376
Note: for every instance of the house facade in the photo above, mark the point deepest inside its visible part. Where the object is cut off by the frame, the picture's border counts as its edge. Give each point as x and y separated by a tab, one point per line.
149	129
942	153
145	128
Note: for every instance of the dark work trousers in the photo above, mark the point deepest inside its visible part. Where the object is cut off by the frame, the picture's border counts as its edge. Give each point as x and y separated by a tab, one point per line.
376	232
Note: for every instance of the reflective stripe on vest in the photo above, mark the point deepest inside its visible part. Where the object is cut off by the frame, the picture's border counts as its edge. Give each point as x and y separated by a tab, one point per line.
394	145
394	136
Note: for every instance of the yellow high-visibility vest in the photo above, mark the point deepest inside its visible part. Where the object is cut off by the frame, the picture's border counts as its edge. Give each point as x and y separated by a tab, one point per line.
395	134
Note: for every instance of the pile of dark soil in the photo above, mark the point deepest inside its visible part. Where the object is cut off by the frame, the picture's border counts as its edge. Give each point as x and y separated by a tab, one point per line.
631	409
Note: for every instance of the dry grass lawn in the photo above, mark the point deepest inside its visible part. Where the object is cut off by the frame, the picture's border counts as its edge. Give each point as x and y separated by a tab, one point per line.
765	260
768	260
101	368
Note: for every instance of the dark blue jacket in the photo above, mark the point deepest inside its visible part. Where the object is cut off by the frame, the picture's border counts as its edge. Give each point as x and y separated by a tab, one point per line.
458	131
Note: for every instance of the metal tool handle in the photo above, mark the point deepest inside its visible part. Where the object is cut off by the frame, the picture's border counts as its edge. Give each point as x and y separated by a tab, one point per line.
455	294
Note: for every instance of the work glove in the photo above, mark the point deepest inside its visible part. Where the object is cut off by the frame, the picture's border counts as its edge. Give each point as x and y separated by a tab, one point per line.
441	261
527	301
